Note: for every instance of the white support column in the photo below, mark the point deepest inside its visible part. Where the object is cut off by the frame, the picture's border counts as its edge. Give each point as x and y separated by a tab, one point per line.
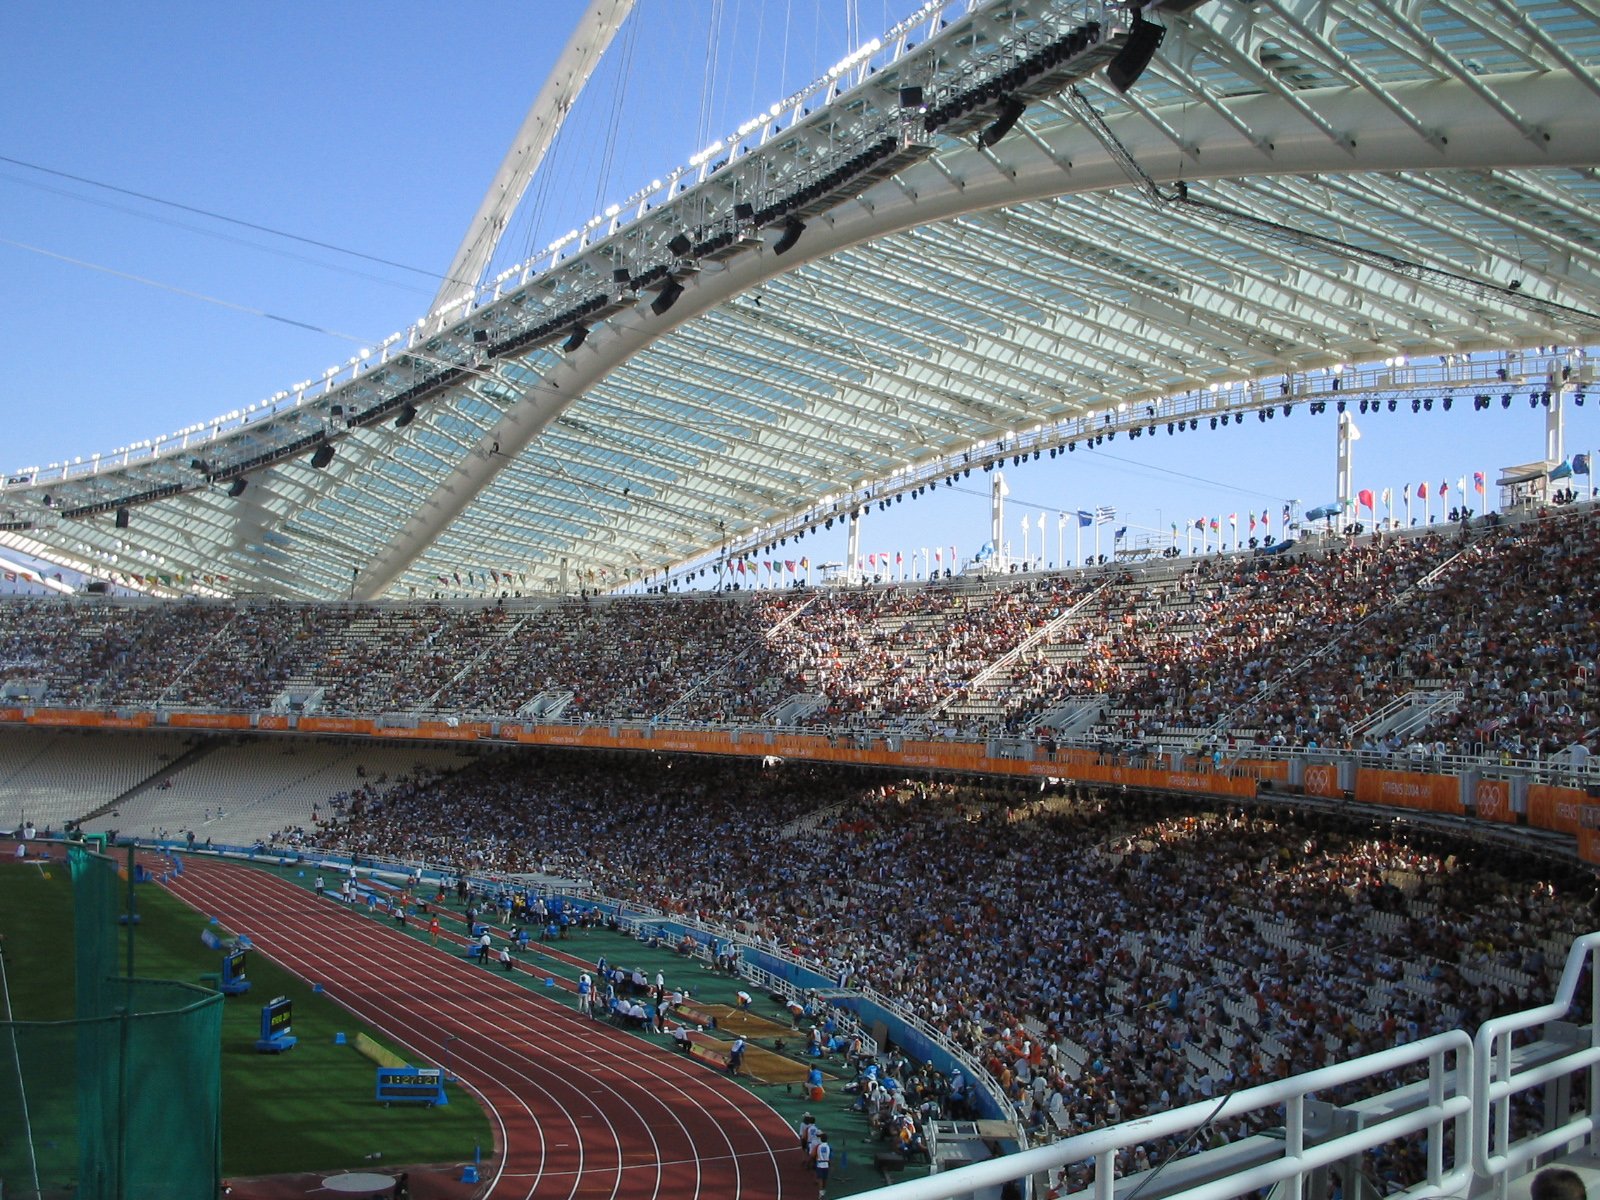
853	549
1348	435
1555	421
998	491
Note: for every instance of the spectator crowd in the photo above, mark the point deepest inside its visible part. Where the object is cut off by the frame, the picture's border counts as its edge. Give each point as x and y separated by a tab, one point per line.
1297	649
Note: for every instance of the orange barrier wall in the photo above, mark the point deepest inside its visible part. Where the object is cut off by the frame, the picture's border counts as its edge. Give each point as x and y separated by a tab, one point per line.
208	721
1322	779
1491	800
1549	807
1557	808
1407	789
1589	838
335	725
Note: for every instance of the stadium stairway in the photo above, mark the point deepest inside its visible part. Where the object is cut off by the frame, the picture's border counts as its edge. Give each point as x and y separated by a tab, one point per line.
165	771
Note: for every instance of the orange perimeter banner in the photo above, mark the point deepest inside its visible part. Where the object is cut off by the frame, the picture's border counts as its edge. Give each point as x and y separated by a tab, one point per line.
1491	800
1555	808
208	721
1589	842
335	725
1406	789
1322	779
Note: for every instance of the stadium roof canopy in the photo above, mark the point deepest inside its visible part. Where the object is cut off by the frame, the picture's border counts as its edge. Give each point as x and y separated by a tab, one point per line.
963	241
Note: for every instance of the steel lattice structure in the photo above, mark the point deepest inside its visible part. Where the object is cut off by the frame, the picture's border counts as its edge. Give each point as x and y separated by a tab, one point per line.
885	280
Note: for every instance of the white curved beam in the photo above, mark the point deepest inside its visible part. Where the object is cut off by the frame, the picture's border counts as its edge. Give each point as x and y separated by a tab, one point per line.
539	128
1060	161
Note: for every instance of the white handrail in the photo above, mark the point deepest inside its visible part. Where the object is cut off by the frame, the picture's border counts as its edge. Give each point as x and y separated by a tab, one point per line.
1494	1082
1102	1145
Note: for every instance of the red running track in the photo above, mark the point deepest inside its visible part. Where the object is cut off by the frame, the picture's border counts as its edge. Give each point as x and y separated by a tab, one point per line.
579	1109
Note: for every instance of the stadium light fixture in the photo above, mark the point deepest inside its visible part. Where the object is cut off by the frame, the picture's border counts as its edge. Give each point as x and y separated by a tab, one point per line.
322	456
237	487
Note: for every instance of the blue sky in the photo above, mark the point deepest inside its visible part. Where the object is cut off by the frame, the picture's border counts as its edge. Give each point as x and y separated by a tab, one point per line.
376	129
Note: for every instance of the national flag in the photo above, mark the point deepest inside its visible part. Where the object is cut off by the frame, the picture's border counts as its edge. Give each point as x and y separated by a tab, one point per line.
1266	519
788	565
1478	480
1444	488
805	564
1085	518
1233	519
897	558
1364	499
741	566
1041	523
1215	526
938	555
872	560
1422	490
1104	514
1461	484
1199	522
1252	522
1061	521
1580	466
1388	497
1287	515
1120	534
1563	470
1174	531
1405	493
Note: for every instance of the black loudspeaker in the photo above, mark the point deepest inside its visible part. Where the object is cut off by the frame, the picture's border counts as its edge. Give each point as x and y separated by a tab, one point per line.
666	297
1011	110
480	336
744	211
322	457
679	245
407	415
575	338
122	518
792	229
911	97
236	489
1144	39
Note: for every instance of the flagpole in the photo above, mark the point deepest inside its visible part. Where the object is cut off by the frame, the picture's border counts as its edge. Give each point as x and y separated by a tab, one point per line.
1078	553
1097	535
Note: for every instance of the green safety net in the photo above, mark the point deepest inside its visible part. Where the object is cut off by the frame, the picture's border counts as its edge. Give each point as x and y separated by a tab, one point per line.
123	1102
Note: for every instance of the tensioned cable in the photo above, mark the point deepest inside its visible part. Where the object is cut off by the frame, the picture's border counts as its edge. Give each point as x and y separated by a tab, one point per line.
169	287
172	223
216	216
